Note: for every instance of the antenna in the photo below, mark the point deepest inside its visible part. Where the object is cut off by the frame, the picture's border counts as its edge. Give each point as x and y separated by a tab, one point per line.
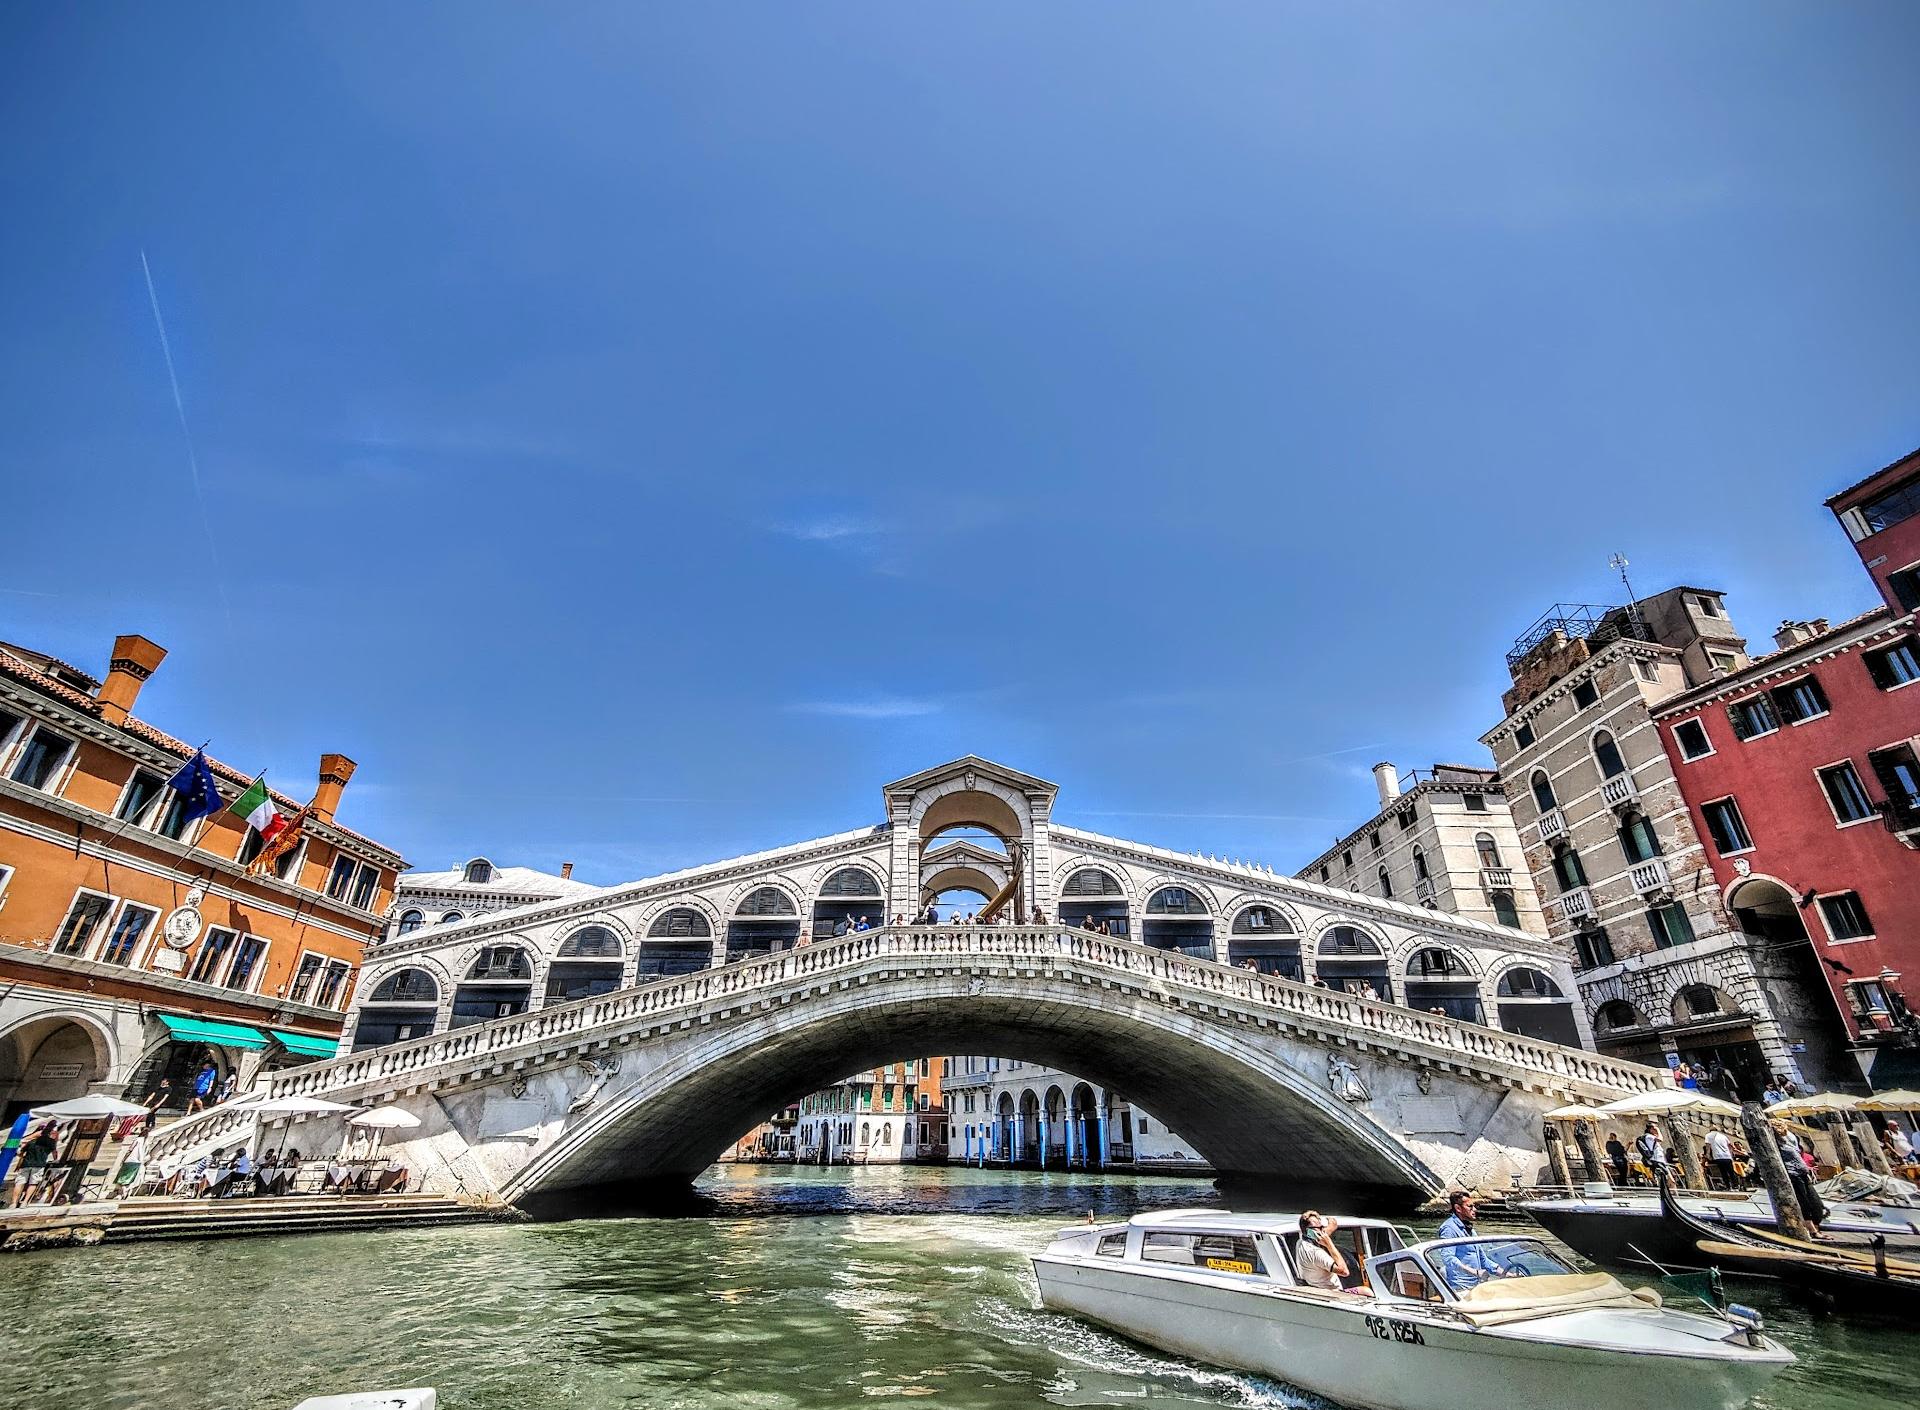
1618	562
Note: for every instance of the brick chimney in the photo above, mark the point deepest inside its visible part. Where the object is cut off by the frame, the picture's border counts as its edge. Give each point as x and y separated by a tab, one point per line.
566	871
134	659
335	770
1793	633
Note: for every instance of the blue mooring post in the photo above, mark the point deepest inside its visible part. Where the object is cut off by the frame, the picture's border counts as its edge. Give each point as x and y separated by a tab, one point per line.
1019	1136
1103	1138
1044	1124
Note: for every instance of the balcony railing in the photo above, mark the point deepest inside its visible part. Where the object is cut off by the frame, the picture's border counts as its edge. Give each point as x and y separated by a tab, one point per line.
1553	823
1619	791
1496	878
1423	891
1576	906
1650	877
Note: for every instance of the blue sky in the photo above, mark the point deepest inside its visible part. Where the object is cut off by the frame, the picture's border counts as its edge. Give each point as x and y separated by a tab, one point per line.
635	433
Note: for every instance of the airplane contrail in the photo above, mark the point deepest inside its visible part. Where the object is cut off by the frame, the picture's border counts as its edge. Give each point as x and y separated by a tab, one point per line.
186	434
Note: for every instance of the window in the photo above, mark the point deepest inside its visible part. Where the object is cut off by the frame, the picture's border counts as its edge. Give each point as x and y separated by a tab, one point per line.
173	818
1523	735
214	950
1523	982
246	960
1905	586
1476	802
366	886
1698	1001
1326	875
1567	869
1894	665
1896	506
1111	1246
1845	796
1638	841
1435	962
1504	910
1649	672
1176	900
83	920
1593	947
251	845
1752	717
1723	661
9	722
1221	1253
1669	926
1542	787
1846	918
450	917
1899	773
1373	842
679	924
303	978
1607	755
331	984
1691	737
479	871
1346	860
287	865
40	762
128	931
142	789
1420	864
1708	607
1487	849
1800	700
1585	696
340	878
1728	828
1869	998
1386	884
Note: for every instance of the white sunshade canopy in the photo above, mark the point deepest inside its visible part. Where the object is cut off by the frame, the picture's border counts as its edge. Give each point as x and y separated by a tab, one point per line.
384	1118
88	1108
299	1106
1576	1112
1820	1104
1670	1099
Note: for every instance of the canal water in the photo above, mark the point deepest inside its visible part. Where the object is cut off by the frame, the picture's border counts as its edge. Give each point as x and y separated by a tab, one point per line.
786	1290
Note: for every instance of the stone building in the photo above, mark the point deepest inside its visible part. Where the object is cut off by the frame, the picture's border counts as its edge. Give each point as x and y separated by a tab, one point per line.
474	888
996	1107
871	1118
1664	972
136	945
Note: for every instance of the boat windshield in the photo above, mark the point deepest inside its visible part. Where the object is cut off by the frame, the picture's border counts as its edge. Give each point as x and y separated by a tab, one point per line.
1467	1263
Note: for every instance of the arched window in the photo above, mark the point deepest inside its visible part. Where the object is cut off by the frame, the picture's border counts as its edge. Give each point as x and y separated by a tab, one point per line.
1617	1014
769	901
411	921
1420	864
450	917
1487	849
479	871
1344	941
593	942
1386	884
683	922
1504	910
499	984
1437	962
1542	786
1176	901
1607	754
1520	982
1698	1001
409	986
850	881
501	962
1261	920
1090	881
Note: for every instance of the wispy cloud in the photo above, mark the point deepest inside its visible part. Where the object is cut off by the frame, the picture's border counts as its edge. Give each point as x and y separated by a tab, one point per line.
877	707
1331	753
847	529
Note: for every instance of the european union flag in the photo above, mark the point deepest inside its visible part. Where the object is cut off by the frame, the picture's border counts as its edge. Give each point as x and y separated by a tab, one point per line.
195	781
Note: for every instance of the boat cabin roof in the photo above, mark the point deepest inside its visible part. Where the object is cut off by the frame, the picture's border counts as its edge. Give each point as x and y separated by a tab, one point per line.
1248	1223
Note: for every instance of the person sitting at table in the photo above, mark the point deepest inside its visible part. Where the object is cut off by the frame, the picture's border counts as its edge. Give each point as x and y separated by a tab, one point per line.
338	1179
266	1173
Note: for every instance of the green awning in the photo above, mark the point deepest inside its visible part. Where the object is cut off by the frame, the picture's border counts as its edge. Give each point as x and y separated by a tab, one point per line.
305	1044
212	1031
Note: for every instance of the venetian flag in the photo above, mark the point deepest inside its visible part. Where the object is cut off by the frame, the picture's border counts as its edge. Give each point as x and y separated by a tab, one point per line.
282	841
256	806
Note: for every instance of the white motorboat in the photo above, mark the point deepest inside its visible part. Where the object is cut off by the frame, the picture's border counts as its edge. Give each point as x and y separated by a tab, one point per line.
1448	1324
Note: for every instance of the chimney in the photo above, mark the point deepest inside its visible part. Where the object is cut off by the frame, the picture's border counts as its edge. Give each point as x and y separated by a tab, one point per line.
1793	633
566	871
1387	778
134	659
335	770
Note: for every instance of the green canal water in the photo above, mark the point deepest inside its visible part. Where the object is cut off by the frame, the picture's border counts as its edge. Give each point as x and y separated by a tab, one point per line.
800	1290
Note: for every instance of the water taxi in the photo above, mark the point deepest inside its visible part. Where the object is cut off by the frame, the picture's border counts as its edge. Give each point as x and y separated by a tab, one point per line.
1445	1324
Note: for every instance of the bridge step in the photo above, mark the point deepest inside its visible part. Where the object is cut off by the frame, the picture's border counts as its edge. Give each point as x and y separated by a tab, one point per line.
175	1219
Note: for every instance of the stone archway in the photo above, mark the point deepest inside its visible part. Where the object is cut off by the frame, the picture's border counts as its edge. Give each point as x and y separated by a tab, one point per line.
51	1058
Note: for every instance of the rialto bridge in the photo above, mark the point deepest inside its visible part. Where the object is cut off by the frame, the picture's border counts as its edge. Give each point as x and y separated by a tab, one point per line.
595	1044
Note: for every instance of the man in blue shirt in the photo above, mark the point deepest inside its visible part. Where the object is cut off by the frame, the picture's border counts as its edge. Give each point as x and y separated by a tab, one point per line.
1463	1265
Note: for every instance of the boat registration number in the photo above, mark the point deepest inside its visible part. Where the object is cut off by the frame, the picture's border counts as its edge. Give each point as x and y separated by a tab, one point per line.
1393	1329
1229	1265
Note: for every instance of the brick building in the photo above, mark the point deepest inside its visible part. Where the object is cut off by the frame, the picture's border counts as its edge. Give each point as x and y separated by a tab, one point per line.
135	944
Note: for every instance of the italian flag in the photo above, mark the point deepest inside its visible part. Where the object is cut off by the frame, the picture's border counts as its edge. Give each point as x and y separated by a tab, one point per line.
257	808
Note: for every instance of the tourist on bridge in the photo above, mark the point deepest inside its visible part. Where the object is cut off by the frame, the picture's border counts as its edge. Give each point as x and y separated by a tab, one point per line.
203	1084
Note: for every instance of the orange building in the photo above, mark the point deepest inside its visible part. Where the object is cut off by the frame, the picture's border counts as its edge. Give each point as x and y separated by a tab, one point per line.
134	944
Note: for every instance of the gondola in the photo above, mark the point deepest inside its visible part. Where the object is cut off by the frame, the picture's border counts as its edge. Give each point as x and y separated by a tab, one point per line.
1856	1278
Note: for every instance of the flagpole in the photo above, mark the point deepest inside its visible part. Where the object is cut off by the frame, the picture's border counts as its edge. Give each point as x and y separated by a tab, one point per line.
126	823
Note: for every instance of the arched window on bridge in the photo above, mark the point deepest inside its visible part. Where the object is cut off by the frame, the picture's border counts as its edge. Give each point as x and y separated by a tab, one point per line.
766	920
449	917
499	984
1439	978
845	897
1532	1005
587	963
1092	894
1351	960
403	1005
411	921
1263	936
678	942
1179	919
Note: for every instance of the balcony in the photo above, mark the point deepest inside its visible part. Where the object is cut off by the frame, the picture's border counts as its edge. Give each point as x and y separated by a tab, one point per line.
1552	824
1619	792
1496	879
1577	907
1650	877
1423	891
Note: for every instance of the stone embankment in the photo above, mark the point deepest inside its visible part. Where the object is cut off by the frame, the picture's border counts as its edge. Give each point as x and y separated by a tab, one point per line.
134	1220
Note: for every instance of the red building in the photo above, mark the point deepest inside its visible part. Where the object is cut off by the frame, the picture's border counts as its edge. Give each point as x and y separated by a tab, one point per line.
1800	771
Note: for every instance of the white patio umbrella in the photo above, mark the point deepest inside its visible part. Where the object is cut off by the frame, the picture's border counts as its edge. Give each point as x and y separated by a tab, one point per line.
300	1106
1669	1100
1820	1104
88	1108
384	1118
1890	1101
